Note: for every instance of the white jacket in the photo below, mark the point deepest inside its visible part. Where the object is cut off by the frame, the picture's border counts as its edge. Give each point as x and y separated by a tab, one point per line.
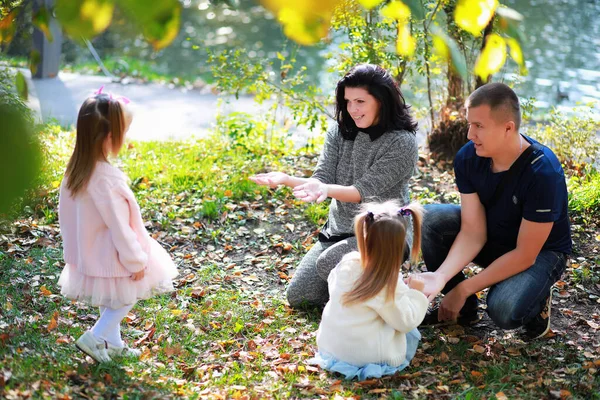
373	331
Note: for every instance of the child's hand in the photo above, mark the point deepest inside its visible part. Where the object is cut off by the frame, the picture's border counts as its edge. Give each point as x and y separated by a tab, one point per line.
136	276
415	282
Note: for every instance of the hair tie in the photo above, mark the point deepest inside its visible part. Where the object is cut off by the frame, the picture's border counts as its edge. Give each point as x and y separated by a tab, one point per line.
404	212
369	217
124	99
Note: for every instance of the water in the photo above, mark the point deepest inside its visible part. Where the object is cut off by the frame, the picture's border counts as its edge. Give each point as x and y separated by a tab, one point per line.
562	51
562	48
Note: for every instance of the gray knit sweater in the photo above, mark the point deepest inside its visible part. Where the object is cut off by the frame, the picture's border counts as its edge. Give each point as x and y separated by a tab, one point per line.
379	170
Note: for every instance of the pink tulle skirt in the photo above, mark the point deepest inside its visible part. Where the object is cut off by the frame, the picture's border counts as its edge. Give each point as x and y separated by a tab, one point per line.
118	292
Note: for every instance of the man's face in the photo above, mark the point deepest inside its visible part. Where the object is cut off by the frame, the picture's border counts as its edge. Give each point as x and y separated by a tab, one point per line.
486	132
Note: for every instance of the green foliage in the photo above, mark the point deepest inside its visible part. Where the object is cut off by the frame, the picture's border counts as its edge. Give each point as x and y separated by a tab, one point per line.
364	38
174	180
584	193
19	149
573	138
235	74
317	213
133	68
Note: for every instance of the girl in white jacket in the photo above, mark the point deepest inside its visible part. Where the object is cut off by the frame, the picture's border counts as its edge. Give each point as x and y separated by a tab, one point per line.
369	324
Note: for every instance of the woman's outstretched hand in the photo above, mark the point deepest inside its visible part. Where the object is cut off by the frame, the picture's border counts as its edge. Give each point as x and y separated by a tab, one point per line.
310	191
271	179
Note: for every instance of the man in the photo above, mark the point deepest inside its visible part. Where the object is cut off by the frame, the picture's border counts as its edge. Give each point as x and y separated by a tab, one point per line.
516	227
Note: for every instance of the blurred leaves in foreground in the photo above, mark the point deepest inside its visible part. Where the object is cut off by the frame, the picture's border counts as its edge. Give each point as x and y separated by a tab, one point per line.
20	156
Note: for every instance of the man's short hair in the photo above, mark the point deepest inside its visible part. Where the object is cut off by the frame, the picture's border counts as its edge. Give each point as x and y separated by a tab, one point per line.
500	98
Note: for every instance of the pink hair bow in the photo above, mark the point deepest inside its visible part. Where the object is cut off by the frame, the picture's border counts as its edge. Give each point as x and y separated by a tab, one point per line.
120	98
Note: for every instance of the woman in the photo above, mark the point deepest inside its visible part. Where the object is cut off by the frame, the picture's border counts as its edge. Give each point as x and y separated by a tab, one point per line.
370	155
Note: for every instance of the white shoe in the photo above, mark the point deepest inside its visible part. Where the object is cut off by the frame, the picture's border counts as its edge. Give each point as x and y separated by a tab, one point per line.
125	351
93	347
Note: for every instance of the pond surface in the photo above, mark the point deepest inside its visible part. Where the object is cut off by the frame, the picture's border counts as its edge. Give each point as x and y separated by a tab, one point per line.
562	47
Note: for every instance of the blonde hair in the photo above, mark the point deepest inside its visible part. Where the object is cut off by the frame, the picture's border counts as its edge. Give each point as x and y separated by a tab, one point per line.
381	235
98	117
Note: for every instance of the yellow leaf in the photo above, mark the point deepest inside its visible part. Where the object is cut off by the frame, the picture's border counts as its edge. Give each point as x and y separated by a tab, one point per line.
396	10
564	393
474	15
53	322
84	18
440	48
228	193
501	396
45	291
305	22
405	44
176	312
8	306
99	13
515	50
492	57
7	28
369	4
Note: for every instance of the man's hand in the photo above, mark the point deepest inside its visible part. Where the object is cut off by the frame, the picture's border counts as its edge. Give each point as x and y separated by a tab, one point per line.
271	179
310	191
451	304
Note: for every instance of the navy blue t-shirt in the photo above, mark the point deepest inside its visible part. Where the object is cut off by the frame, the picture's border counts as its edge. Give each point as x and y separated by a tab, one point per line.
539	195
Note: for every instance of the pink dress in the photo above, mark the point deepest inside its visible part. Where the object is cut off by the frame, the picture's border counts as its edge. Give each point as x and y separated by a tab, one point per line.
105	242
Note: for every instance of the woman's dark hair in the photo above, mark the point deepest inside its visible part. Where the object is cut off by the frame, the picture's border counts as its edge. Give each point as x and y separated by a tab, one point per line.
393	111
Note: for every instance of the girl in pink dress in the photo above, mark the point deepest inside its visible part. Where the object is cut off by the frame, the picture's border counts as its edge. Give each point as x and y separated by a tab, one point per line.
111	261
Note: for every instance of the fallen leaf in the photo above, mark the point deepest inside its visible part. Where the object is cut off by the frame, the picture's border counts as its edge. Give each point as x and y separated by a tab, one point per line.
4	377
147	336
479	349
63	340
45	291
53	321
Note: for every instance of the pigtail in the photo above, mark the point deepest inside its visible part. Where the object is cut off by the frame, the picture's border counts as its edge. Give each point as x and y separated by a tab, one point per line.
360	231
116	118
415	210
381	237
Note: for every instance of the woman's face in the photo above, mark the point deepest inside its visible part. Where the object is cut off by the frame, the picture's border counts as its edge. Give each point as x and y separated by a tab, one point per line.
362	107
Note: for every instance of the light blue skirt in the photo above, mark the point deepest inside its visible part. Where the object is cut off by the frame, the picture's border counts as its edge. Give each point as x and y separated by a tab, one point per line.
329	363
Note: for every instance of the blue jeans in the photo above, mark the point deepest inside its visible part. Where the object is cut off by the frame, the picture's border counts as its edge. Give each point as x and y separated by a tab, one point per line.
510	303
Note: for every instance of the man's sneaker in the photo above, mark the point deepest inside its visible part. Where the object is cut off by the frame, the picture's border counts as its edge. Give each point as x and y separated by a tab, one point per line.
468	316
540	325
125	351
93	347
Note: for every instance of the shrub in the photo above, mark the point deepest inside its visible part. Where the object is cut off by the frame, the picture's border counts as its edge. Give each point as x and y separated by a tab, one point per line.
573	138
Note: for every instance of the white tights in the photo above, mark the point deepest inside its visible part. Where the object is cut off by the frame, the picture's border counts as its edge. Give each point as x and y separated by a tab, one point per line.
108	326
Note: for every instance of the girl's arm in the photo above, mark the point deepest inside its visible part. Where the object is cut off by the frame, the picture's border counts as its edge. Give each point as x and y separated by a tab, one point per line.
407	311
114	208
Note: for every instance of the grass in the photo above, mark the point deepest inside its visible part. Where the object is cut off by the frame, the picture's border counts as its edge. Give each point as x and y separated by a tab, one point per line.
226	332
135	68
